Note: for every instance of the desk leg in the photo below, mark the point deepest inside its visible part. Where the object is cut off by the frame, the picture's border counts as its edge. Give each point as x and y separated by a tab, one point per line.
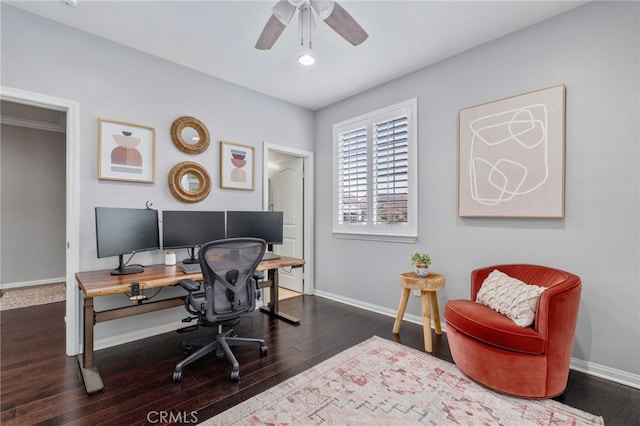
90	374
274	298
426	321
274	309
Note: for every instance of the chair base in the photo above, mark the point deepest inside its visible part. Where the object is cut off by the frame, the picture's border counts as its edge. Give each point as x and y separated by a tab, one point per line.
222	347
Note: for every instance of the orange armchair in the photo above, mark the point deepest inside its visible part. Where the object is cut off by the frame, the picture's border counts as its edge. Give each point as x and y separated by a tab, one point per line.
531	362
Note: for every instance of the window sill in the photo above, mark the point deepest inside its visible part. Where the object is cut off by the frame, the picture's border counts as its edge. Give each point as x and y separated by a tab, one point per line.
367	236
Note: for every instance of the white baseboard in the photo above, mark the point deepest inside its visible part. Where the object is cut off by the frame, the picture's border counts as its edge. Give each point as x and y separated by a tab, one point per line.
363	305
607	373
590	368
32	283
120	339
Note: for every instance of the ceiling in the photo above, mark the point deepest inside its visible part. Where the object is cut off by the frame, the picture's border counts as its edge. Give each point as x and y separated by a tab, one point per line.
218	38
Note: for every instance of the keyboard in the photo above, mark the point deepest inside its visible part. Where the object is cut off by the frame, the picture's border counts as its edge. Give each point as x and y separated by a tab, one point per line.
191	268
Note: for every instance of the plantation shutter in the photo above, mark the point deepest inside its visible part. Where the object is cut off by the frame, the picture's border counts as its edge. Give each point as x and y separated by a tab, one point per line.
375	175
390	171
352	176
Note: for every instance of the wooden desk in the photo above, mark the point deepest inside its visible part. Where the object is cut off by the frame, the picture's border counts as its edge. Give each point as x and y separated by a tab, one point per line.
102	283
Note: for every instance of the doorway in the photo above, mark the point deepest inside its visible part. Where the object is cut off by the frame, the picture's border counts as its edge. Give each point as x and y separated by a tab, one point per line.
288	183
72	203
33	196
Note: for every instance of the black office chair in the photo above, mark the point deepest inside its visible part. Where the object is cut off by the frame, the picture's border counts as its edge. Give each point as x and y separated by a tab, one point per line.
230	290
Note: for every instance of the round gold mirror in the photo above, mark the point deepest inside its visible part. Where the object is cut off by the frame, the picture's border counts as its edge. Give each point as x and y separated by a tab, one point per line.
190	135
189	182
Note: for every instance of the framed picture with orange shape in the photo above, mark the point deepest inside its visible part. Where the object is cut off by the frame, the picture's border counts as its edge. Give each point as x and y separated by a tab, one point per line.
237	166
126	151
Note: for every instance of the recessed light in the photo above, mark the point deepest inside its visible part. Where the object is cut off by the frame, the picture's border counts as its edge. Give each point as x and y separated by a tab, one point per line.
306	59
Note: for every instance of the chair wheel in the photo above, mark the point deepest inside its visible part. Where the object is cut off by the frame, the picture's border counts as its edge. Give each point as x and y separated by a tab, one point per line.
235	376
186	349
264	349
177	376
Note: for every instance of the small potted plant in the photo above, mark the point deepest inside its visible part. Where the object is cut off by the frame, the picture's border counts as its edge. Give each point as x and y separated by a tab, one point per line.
421	262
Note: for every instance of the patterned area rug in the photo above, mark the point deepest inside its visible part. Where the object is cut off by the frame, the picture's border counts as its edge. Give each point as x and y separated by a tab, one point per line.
380	382
29	296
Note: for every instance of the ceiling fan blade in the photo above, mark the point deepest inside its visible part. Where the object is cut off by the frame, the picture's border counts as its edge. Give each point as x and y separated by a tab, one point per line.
282	13
270	33
344	24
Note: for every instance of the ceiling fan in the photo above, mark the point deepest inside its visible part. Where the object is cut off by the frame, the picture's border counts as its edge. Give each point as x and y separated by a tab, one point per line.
329	11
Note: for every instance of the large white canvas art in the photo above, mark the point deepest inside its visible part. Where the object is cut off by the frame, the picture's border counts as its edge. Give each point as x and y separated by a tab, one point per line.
511	156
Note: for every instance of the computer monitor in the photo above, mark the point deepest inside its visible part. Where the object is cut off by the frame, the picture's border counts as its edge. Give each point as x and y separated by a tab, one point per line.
121	231
190	229
257	224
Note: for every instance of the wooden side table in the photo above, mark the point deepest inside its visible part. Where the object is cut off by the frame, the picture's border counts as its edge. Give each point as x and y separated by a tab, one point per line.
428	286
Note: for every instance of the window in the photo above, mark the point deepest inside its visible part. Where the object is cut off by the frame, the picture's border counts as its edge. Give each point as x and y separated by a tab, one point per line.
375	189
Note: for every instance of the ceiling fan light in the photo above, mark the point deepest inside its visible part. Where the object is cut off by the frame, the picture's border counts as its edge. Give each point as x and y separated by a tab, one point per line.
283	10
323	8
306	59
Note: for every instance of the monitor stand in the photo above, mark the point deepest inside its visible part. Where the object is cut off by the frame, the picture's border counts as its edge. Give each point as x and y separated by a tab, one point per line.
191	251
126	270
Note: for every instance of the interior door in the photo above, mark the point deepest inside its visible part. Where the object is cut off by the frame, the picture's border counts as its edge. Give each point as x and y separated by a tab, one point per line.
287	189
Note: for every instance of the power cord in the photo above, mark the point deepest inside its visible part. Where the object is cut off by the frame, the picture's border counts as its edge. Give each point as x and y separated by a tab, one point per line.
139	297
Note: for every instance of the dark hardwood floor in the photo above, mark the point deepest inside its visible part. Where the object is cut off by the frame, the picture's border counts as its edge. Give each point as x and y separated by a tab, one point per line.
41	385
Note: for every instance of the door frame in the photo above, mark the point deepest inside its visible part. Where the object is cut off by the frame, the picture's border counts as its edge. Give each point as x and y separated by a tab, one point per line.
308	197
72	263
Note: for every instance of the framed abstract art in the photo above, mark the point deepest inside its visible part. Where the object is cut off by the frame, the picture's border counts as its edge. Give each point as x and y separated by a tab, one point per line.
126	151
237	166
511	156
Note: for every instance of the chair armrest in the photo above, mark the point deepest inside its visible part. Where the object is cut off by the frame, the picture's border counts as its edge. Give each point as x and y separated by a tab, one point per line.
477	278
557	311
189	284
258	275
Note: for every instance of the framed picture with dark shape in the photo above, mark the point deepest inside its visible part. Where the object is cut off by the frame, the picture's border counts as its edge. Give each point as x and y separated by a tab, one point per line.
511	156
126	151
237	166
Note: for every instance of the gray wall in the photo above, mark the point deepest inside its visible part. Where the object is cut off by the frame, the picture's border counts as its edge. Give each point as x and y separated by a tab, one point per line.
33	205
119	83
593	50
